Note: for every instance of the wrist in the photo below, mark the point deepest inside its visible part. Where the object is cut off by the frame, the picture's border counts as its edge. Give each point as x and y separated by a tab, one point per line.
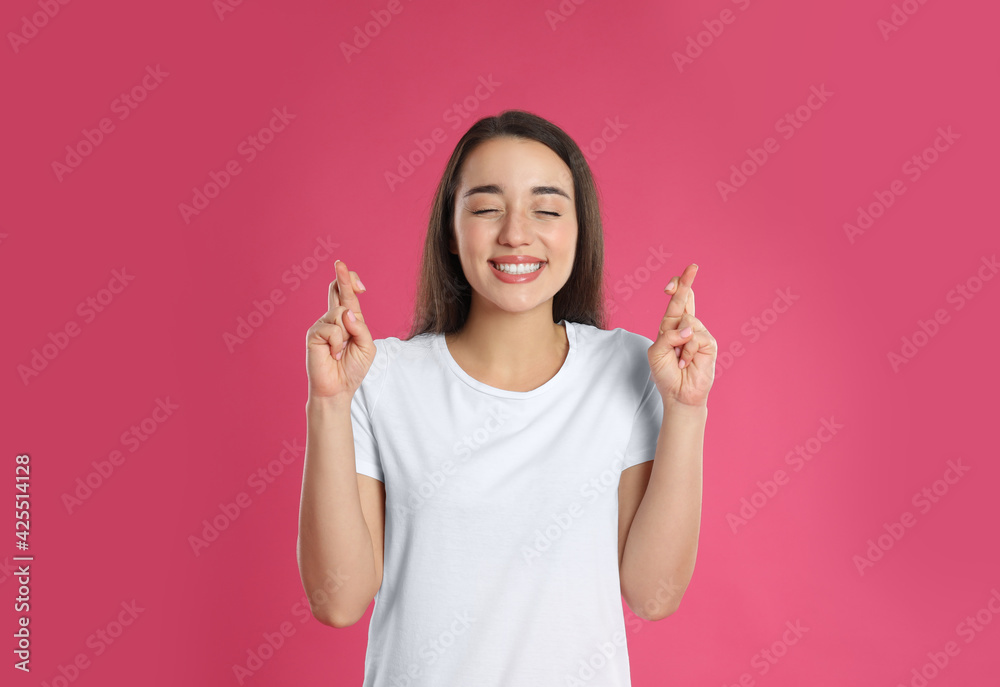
325	404
672	405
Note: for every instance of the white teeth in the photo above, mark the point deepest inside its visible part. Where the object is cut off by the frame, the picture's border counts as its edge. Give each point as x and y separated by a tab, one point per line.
523	268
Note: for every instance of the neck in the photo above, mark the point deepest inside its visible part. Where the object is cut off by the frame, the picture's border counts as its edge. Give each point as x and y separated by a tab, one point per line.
508	343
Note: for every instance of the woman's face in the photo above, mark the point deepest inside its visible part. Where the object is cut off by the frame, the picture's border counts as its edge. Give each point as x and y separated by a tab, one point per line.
515	198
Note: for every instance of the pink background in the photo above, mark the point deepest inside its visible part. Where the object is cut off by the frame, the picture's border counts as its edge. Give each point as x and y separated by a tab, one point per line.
322	177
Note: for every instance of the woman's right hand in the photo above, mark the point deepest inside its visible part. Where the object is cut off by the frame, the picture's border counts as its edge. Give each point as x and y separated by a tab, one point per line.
339	351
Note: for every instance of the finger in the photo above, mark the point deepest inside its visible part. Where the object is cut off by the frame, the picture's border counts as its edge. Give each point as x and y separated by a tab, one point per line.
701	341
334	317
330	333
339	336
356	329
688	320
695	341
356	281
690	348
358	286
679	289
689	306
333	299
345	289
684	322
677	338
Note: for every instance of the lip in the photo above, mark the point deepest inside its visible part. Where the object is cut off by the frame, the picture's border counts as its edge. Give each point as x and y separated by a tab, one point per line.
517	278
516	259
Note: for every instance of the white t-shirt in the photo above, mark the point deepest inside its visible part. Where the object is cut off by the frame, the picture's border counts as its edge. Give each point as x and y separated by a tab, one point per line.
501	524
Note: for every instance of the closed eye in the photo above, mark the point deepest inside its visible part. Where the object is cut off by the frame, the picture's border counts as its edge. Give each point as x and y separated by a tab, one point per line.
541	212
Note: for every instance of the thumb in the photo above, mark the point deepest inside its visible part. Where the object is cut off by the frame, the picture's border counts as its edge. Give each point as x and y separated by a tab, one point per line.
358	330
674	337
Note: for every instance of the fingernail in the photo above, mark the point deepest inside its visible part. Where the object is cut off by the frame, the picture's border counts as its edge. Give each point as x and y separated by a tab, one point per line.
670	285
351	316
361	286
682	363
686	331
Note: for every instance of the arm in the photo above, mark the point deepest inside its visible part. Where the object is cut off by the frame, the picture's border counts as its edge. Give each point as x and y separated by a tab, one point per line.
658	546
660	515
342	513
341	519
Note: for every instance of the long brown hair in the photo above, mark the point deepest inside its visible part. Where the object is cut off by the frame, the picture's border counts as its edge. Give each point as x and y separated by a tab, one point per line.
444	295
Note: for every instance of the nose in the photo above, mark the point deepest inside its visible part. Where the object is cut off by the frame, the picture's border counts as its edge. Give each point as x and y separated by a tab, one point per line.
515	231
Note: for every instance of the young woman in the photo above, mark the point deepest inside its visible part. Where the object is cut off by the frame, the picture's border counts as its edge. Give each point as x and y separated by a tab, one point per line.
501	478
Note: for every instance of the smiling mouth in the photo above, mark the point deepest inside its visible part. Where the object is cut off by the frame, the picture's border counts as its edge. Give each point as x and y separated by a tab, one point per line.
517	268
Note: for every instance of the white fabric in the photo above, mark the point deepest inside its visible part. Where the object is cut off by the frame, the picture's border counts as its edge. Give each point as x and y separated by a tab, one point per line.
501	532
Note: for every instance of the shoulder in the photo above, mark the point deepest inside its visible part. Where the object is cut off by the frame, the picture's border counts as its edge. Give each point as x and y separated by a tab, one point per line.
619	350
393	356
615	341
393	347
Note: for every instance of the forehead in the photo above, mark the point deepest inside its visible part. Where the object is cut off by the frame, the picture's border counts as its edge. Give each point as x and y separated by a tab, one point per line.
515	163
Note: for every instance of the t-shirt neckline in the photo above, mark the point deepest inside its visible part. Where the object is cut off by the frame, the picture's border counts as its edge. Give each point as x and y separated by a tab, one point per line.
556	379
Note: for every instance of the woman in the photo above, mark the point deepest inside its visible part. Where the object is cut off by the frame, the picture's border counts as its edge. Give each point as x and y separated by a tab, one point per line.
518	467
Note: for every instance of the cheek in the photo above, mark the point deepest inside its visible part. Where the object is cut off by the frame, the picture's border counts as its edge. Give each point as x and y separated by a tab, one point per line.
465	237
477	241
567	240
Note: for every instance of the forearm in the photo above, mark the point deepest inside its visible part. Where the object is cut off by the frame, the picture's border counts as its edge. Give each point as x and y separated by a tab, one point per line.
662	543
335	551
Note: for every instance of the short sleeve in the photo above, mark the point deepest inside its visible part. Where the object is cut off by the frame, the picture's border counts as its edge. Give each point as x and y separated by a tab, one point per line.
368	460
645	426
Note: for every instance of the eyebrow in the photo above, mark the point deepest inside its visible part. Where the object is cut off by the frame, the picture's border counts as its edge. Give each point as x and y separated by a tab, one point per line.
535	190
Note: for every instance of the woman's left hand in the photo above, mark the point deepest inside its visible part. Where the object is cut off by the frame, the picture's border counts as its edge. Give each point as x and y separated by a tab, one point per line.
683	367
